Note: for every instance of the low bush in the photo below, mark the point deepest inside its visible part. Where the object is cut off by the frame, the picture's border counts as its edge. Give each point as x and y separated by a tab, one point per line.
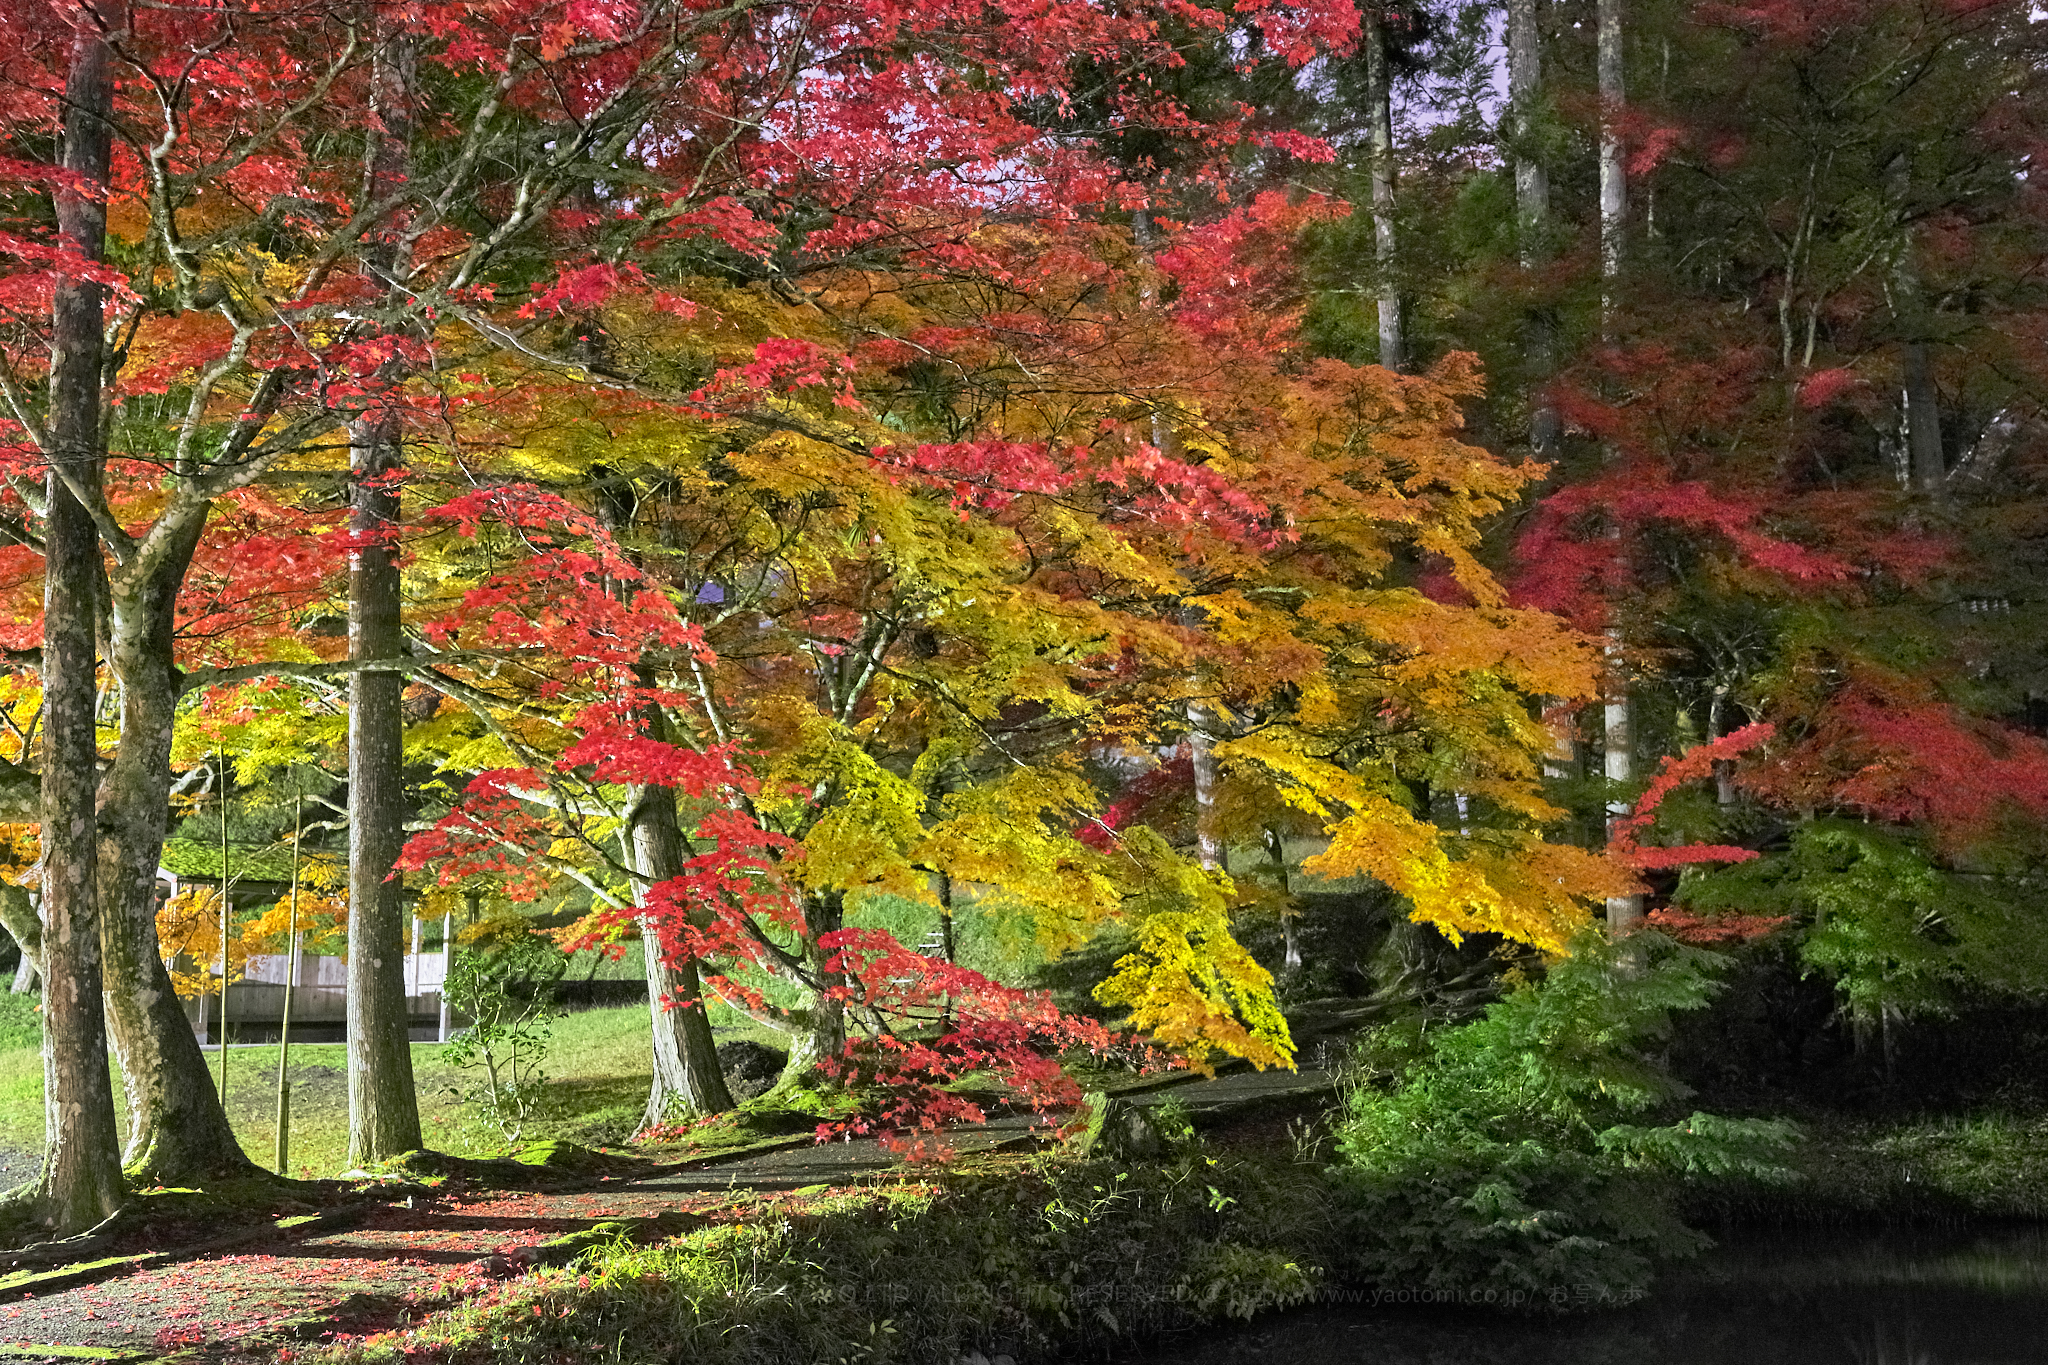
500	982
1536	1155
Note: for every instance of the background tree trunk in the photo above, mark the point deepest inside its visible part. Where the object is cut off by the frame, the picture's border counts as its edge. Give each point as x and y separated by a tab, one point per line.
1618	715
1923	414
821	1034
1532	209
18	914
1613	163
1927	465
81	1178
1379	77
1204	721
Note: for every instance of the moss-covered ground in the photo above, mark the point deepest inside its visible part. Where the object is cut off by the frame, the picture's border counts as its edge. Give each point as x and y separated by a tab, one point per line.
1018	1256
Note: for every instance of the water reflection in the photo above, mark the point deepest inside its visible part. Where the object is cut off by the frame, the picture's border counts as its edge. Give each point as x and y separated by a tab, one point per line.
1840	1298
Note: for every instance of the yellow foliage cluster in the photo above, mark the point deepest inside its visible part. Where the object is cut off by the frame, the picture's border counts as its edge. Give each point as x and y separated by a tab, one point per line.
188	930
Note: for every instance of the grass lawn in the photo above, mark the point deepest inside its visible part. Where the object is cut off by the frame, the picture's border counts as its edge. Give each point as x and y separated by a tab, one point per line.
598	1067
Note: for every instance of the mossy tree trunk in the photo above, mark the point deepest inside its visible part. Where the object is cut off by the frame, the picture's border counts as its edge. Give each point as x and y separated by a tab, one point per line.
81	1177
178	1134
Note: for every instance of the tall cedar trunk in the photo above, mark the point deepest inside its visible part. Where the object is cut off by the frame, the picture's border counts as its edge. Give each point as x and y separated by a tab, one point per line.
1923	415
81	1179
1532	225
1613	166
178	1134
1380	96
1290	959
1203	719
1618	715
1532	210
383	1110
1202	722
1724	768
688	1080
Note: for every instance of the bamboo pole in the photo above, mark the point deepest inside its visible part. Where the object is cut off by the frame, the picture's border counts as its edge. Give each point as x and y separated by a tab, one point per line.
291	976
447	965
220	756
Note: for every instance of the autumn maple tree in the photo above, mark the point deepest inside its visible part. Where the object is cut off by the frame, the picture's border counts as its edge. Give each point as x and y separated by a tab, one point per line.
894	667
270	308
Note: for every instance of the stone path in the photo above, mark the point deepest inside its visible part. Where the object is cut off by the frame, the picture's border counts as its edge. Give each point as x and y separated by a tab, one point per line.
400	1260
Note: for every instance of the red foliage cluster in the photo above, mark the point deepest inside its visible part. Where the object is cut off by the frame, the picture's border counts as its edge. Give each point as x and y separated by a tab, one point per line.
1694	764
488	833
1167	781
1575	554
1885	747
1714	931
1235	278
1012	1036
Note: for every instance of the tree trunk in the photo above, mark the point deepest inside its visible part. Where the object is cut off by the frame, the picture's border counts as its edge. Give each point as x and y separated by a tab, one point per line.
821	1032
1724	768
383	1108
1613	165
18	915
688	1081
1525	93
1532	226
1202	718
1618	715
1380	97
1927	465
948	944
1623	912
81	1177
178	1134
822	1037
1290	960
1532	211
1923	416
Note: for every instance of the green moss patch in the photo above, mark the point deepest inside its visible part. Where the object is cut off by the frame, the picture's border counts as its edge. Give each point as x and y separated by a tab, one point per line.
1008	1257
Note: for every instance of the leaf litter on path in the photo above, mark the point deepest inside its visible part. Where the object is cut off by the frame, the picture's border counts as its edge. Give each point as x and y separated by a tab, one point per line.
394	1264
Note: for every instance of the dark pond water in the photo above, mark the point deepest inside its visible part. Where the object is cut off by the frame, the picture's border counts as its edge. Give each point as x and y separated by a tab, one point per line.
1919	1298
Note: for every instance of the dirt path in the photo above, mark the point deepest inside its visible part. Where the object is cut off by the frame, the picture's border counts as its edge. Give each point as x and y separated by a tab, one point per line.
400	1260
